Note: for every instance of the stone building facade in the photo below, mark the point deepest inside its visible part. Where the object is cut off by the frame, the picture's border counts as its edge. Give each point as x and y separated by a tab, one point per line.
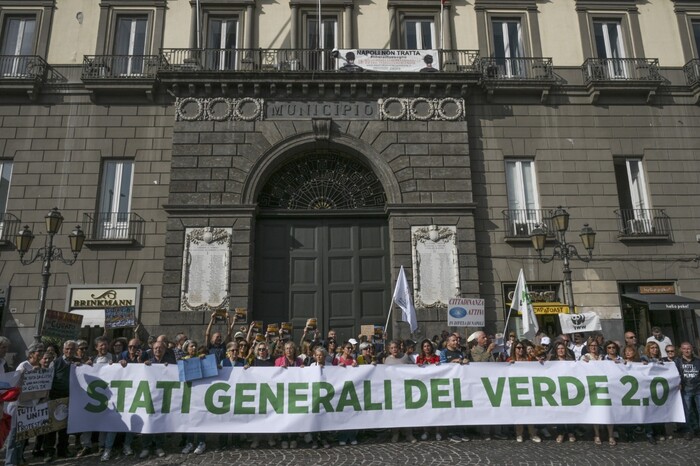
323	178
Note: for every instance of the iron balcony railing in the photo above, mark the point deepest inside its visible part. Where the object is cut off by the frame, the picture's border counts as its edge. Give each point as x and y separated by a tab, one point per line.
520	222
692	72
643	222
114	226
9	227
620	69
26	67
517	69
284	60
120	66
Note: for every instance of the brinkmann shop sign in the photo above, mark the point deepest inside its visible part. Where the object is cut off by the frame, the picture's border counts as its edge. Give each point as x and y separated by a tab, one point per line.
101	298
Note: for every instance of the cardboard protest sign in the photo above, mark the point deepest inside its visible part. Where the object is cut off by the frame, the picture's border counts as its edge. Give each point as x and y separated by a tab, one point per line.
120	317
41	418
62	325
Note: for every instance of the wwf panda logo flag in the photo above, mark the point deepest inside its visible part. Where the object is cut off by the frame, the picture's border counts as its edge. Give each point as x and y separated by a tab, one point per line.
583	322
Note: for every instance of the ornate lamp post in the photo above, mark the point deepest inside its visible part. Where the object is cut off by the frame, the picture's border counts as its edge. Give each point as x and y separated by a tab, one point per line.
47	254
562	249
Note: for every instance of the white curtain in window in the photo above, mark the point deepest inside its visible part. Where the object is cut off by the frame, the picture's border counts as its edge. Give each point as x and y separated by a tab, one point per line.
222	35
18	40
609	44
638	190
420	34
521	183
115	201
130	44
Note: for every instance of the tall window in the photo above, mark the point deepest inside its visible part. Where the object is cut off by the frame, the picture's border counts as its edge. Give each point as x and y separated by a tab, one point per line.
130	44
523	198
633	196
115	202
508	46
5	175
609	44
420	33
327	41
17	39
221	36
696	35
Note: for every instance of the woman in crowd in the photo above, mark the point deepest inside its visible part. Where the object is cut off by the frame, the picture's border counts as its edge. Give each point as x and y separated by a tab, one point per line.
561	353
612	353
428	357
630	354
365	357
518	354
289	357
331	349
316	438
191	350
652	354
395	357
346	358
233	355
593	355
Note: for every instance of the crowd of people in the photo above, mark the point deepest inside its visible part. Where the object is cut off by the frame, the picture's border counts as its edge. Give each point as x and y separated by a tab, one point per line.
242	347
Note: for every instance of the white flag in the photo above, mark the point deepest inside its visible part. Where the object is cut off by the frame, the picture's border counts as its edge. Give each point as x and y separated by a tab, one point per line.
583	322
404	299
523	304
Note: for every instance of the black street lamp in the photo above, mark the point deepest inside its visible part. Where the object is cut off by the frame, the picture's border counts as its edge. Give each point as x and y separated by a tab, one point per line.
48	254
563	250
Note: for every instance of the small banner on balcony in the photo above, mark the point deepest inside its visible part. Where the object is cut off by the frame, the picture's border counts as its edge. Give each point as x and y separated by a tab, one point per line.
355	60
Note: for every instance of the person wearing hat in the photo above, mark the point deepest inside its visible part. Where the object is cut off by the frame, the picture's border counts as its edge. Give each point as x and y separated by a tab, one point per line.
482	350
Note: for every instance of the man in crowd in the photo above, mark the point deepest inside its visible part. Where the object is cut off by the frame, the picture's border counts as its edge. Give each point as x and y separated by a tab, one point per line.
631	339
59	389
689	368
483	349
215	342
180	338
156	441
453	352
660	339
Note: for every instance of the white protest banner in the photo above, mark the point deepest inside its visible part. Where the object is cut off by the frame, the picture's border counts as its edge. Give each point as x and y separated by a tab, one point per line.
151	399
465	312
583	322
388	60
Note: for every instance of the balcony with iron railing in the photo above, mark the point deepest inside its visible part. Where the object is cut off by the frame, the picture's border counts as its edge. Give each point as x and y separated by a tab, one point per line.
120	67
9	227
643	224
621	75
519	223
285	60
22	73
516	69
113	228
692	73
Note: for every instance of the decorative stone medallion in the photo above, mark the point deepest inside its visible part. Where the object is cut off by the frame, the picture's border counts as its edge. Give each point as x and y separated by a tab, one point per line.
218	109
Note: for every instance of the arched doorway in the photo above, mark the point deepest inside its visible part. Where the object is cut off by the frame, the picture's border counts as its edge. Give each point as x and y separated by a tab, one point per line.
322	245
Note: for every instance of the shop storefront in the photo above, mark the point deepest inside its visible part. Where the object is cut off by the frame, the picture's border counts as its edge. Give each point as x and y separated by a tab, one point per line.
90	301
647	305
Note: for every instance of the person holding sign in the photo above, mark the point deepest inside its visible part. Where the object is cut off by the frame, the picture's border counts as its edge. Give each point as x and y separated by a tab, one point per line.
215	342
14	450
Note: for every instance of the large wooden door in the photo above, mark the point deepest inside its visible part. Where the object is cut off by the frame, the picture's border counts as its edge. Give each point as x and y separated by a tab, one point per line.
336	270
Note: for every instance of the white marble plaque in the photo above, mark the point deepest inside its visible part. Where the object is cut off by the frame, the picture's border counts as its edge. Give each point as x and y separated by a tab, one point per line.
435	265
205	269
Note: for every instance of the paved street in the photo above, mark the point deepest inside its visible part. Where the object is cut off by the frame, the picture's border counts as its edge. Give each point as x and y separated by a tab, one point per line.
378	451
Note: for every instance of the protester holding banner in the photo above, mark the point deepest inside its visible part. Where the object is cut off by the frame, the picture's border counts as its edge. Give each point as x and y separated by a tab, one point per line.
394	357
482	349
156	441
689	369
14	449
133	353
60	389
561	353
612	352
331	349
346	358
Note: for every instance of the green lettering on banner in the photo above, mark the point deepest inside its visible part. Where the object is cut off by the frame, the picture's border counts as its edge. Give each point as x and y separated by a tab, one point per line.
367	392
436	392
186	398
167	387
659	400
121	386
564	383
516	392
495	396
388	400
142	398
541	394
100	397
295	398
627	399
225	400
241	397
317	399
408	386
348	397
459	402
596	391
268	397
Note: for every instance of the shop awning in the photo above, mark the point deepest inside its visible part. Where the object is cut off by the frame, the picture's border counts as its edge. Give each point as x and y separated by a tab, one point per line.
664	302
